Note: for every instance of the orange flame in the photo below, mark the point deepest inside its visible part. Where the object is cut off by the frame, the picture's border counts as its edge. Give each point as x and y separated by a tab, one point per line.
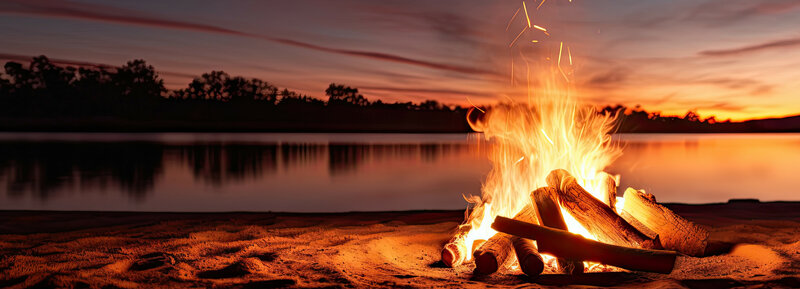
553	130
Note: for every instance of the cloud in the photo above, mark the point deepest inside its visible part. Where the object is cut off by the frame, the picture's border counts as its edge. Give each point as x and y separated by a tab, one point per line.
426	91
724	11
78	63
783	43
73	10
753	86
613	77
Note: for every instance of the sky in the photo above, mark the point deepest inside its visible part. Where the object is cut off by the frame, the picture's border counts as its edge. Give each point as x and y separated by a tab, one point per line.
729	58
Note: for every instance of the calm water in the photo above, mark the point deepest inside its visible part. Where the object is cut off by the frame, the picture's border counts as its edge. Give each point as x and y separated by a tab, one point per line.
347	172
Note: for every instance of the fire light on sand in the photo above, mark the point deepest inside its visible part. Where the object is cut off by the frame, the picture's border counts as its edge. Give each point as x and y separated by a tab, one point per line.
553	140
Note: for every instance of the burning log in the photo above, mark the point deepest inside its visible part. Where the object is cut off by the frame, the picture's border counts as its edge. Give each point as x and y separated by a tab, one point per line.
530	262
609	186
598	218
572	246
549	214
676	233
493	254
455	251
496	252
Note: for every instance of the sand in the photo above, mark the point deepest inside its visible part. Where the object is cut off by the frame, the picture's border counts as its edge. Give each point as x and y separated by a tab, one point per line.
755	245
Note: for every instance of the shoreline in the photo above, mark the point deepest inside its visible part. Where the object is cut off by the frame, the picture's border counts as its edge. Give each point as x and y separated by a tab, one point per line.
754	244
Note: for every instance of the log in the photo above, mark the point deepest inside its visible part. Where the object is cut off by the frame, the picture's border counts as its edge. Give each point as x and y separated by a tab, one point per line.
549	214
676	233
530	262
455	251
598	218
495	253
608	184
576	247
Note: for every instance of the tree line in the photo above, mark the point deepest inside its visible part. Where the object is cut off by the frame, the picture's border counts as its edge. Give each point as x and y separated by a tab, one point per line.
46	96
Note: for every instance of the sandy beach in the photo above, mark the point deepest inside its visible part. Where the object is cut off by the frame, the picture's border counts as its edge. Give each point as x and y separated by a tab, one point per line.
752	245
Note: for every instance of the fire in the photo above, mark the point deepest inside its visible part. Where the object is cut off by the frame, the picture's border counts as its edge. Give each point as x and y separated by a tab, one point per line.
527	141
553	130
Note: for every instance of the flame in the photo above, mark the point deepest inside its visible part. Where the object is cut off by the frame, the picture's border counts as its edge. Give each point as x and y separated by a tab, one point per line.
528	140
552	130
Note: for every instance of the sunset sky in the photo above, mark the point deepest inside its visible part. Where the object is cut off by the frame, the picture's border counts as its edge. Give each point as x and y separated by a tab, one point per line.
730	58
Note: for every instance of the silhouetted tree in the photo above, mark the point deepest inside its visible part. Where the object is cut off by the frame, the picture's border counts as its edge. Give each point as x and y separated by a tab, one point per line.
340	94
136	79
241	89
208	86
692	116
21	80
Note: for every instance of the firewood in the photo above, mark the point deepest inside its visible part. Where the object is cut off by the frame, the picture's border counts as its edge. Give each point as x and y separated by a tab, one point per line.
549	214
493	254
609	186
598	218
496	252
676	233
576	247
455	251
530	262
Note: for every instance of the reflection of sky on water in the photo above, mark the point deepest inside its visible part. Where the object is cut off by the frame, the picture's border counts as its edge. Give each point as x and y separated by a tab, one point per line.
333	172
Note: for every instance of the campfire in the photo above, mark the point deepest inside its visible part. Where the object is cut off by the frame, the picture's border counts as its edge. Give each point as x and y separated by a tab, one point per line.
539	218
547	205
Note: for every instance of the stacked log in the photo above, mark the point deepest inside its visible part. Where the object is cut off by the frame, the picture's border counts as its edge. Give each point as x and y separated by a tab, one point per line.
549	214
675	232
455	252
598	218
576	247
608	184
631	238
495	253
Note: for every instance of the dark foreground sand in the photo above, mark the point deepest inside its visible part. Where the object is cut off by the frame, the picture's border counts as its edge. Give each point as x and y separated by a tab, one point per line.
392	249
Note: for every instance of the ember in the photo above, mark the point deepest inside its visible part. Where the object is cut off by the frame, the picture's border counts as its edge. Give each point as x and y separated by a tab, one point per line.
548	157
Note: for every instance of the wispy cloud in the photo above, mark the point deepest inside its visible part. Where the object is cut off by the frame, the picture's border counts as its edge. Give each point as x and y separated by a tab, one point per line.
89	12
725	11
452	92
78	63
775	44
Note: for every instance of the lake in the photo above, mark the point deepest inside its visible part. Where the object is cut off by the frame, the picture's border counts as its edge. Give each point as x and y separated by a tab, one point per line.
207	172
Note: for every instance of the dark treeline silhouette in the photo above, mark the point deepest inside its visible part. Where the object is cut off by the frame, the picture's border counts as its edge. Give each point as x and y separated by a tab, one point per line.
47	169
132	97
637	120
43	96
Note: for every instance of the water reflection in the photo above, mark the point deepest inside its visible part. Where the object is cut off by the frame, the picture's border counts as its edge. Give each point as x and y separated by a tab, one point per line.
46	168
341	172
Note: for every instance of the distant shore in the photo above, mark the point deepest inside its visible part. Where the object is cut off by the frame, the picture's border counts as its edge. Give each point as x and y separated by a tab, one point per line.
751	244
437	123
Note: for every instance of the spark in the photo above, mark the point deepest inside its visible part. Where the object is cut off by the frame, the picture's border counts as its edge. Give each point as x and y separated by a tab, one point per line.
535	41
519	160
526	14
560	47
542	29
518	35
540	4
547	137
512	18
475	106
569	53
